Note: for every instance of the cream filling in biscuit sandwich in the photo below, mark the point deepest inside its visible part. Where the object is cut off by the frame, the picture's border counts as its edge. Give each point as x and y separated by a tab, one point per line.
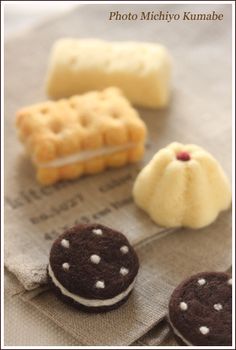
90	302
85	155
178	333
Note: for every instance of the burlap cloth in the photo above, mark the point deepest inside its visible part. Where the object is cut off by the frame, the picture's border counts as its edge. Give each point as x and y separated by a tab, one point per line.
200	112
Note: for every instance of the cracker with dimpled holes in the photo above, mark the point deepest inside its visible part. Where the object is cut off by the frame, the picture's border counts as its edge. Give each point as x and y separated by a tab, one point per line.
84	134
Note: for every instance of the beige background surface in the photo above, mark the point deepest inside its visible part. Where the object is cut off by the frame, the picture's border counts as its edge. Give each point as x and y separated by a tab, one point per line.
200	112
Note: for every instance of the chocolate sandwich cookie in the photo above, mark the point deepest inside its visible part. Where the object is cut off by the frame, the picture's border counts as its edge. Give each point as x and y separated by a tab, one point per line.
200	310
93	267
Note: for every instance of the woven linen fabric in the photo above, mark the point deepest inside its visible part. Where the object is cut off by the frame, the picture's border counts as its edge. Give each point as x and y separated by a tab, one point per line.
164	263
199	112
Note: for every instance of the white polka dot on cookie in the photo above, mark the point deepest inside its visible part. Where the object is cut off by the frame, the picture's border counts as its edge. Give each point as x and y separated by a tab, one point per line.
65	266
218	307
201	282
230	281
65	243
95	259
183	306
124	271
100	285
204	330
97	231
124	249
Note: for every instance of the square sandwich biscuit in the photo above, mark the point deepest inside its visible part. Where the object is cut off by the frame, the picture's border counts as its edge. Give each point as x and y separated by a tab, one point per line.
84	134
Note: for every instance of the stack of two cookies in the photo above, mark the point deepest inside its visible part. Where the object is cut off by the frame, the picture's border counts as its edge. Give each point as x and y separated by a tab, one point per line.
92	266
85	134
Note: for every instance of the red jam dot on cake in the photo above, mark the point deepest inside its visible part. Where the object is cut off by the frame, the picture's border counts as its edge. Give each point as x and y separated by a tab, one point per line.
184	156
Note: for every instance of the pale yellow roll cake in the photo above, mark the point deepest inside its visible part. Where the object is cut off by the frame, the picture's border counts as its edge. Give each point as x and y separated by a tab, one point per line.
183	185
140	70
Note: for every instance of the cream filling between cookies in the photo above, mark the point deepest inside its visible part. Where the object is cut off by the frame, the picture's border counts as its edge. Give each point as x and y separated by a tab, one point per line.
85	155
178	333
90	302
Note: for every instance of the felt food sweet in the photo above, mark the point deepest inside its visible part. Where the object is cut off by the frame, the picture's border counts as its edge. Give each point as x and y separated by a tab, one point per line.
84	134
141	70
183	185
200	310
93	267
